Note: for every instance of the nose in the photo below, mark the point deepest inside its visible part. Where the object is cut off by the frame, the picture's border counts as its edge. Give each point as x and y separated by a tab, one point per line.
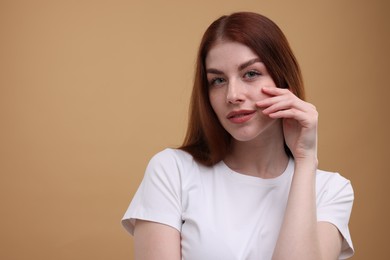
235	93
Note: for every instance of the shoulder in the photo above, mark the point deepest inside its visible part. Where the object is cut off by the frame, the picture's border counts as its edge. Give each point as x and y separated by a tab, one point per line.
332	187
172	153
171	157
332	180
172	162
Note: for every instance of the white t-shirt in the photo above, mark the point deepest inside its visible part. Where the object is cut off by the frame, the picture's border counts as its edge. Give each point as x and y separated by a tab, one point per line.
222	214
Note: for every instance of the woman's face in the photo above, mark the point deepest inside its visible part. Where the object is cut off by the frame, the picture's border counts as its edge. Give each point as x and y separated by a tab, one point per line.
236	76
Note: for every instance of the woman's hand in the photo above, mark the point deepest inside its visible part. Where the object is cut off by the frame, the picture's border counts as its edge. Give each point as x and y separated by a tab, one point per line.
300	120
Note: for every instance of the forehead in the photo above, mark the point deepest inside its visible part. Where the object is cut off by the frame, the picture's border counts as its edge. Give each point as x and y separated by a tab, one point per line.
228	53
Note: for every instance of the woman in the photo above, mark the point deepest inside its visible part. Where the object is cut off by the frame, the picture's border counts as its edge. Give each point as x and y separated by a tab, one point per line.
245	183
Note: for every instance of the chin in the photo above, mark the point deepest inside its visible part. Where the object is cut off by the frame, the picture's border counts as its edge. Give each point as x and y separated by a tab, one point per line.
250	133
244	137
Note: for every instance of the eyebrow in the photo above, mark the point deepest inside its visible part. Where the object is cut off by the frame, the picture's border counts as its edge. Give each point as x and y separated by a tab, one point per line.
241	67
248	63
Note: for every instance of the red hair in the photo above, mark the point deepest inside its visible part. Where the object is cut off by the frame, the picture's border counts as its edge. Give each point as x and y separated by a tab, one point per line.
206	140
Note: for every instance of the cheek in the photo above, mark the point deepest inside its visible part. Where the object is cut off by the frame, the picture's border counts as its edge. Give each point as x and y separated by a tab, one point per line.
256	92
215	101
269	82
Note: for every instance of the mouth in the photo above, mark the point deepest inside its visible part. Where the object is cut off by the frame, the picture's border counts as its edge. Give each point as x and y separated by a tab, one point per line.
240	116
240	113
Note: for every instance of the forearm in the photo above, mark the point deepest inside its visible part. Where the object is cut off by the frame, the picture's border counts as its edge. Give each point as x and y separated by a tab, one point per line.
298	237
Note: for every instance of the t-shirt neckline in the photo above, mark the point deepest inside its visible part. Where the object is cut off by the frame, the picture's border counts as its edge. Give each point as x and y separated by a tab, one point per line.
257	180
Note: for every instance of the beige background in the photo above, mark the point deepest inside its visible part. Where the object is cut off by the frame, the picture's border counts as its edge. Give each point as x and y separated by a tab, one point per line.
90	90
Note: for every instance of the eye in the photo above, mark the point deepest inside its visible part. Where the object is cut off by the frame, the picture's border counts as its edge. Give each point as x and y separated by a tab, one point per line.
216	81
251	74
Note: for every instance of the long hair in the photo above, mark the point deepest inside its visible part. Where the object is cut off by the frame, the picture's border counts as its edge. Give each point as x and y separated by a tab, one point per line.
206	140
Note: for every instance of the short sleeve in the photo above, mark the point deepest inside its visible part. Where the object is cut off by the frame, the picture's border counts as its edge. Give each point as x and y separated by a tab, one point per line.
158	197
335	206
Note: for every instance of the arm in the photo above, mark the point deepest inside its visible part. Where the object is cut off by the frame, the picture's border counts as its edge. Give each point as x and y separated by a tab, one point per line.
301	236
155	241
330	245
154	215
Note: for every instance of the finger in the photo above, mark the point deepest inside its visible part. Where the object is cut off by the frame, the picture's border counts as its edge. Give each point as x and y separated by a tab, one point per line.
305	119
282	105
276	94
270	101
289	103
282	102
285	102
274	91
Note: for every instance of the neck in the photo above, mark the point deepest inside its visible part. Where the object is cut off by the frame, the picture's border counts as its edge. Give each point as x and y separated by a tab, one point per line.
264	157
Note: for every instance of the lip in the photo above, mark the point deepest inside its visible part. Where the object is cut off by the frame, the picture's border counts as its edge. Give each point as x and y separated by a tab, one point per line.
240	116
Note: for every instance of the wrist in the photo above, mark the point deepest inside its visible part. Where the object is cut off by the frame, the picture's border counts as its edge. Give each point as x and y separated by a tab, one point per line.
306	162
